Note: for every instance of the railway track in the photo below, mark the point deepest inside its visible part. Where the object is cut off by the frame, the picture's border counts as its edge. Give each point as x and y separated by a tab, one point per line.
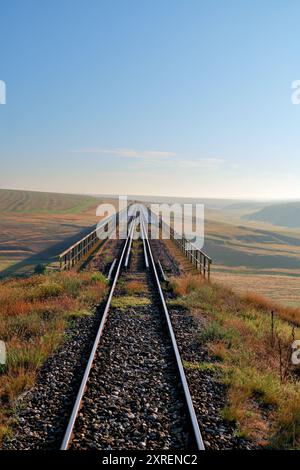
134	394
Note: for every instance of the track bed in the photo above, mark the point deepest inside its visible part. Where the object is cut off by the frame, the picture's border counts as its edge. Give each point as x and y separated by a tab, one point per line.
134	397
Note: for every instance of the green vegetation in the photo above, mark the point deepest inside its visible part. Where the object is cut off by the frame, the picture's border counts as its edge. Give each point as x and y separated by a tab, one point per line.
34	314
127	301
40	269
99	277
203	366
252	350
28	202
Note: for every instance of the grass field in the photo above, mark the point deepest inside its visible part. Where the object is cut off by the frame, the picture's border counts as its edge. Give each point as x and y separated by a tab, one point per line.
36	227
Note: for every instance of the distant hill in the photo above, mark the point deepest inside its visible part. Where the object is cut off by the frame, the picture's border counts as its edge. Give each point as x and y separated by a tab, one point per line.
212	203
283	215
246	206
15	201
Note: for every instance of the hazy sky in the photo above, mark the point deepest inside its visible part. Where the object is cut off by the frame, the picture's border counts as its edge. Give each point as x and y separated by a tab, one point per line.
167	97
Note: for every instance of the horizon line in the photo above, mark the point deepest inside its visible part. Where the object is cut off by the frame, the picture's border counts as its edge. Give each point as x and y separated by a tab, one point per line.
96	195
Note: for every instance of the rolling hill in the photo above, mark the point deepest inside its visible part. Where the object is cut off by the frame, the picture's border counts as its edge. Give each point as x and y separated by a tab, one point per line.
12	201
282	215
36	226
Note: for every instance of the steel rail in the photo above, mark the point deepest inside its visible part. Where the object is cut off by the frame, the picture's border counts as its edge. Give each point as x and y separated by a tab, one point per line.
130	242
164	277
76	407
144	234
187	394
111	269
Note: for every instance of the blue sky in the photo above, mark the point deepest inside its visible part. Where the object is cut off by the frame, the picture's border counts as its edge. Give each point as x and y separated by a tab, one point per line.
160	97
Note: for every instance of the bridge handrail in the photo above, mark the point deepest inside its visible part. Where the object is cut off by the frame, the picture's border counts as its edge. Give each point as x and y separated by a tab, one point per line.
195	255
69	257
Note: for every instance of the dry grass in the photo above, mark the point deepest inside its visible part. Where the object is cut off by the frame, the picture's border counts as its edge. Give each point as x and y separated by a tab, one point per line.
185	284
254	357
281	288
135	287
291	314
34	313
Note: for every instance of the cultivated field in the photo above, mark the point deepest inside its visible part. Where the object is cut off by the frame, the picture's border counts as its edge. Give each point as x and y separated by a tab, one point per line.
283	289
254	257
12	201
35	227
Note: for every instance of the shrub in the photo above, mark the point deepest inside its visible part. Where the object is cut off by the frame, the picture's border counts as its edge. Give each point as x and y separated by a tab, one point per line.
99	277
40	269
46	290
213	331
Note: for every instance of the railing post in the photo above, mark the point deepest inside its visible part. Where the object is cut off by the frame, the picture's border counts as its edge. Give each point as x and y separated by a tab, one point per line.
209	267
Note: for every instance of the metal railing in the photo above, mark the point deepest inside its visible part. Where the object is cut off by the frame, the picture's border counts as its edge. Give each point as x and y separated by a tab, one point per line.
81	249
68	258
197	257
